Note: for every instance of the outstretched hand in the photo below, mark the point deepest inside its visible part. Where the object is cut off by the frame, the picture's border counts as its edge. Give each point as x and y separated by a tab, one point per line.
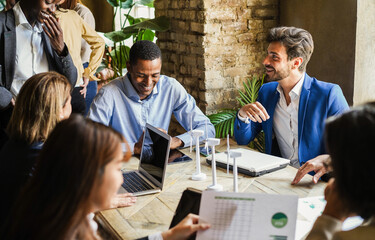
318	165
185	228
123	200
176	142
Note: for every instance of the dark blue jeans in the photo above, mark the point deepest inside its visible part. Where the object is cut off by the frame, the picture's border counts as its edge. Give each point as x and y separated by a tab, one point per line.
92	89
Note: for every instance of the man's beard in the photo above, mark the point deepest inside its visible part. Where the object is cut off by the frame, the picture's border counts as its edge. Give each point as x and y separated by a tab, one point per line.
277	75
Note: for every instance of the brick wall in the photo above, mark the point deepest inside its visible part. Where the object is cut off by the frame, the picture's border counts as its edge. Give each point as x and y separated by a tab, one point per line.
215	45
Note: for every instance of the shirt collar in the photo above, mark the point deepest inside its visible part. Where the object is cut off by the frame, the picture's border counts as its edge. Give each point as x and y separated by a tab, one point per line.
296	90
20	19
132	93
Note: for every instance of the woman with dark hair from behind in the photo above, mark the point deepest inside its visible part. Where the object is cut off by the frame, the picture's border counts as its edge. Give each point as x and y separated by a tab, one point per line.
43	101
350	142
83	177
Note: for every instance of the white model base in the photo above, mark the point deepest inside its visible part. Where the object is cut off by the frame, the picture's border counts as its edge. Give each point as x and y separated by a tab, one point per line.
216	187
198	176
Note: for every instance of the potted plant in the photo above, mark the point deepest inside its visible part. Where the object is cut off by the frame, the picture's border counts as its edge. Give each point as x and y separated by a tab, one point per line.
138	29
224	119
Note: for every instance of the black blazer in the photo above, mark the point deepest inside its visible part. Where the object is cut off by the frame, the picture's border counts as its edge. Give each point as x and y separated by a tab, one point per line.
61	64
17	160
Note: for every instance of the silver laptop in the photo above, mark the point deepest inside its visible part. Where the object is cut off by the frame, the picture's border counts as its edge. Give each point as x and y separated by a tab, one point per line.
251	163
149	177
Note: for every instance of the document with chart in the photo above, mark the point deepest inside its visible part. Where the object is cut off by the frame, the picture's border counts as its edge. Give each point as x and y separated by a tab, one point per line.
248	216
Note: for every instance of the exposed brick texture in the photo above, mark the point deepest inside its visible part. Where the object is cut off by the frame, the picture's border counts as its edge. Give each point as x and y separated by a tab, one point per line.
215	45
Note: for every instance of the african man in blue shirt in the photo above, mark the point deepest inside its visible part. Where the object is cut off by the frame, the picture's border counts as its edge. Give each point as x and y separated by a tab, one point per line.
143	96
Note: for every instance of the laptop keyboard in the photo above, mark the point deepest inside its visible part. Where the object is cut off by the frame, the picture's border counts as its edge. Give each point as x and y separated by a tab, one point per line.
134	183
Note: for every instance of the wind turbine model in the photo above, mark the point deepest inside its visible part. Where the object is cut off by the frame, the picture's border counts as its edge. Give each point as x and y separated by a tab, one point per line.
191	132
198	175
234	155
215	186
206	137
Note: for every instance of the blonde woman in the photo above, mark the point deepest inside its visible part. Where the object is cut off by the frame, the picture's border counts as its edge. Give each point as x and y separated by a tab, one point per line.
43	101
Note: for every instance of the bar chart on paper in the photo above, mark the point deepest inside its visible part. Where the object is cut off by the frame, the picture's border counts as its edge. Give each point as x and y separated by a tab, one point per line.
233	216
247	216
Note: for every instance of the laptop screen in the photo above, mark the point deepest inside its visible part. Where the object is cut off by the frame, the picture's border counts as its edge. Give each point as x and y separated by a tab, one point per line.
155	150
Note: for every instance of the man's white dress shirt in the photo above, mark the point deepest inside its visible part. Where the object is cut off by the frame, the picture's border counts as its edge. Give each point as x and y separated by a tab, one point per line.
30	56
285	123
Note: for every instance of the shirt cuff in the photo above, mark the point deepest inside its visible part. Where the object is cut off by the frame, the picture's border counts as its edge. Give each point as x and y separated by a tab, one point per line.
155	236
64	52
185	138
242	119
88	73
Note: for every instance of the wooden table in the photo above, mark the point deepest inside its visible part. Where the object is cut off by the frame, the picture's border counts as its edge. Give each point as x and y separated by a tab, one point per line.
153	213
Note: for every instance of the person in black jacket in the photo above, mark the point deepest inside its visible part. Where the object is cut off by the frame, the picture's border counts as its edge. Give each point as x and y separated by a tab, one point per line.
31	42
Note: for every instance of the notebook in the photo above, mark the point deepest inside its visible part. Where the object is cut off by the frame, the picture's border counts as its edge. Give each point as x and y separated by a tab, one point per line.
153	162
251	163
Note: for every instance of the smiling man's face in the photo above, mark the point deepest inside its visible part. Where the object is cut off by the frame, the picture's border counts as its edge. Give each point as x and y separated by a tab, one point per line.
276	62
144	76
45	8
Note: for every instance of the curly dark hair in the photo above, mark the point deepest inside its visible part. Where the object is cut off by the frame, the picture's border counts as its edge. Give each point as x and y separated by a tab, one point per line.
350	142
145	50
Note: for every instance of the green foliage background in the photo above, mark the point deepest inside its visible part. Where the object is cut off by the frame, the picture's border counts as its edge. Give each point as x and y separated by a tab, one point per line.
224	119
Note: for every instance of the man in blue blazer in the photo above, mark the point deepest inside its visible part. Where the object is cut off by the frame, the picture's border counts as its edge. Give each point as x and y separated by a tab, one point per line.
292	107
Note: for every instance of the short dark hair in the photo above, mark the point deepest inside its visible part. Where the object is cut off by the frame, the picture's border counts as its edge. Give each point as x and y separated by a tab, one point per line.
297	41
145	50
350	142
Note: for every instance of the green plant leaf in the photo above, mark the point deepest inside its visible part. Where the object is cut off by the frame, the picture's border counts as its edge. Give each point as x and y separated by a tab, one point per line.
114	3
223	122
130	19
133	20
120	56
148	3
148	35
126	4
117	36
160	24
245	98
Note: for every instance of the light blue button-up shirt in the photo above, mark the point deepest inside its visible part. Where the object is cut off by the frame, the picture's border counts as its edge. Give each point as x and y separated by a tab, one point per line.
118	105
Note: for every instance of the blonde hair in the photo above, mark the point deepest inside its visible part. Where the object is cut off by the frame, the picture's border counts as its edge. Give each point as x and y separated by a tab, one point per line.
38	107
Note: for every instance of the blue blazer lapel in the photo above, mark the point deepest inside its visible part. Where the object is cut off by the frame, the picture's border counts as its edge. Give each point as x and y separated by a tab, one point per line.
304	99
267	126
10	44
